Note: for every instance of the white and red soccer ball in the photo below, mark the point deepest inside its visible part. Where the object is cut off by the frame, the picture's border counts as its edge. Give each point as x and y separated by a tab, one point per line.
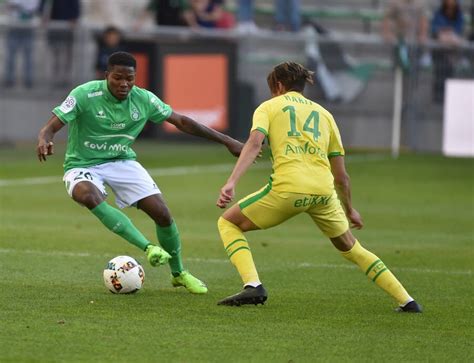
124	275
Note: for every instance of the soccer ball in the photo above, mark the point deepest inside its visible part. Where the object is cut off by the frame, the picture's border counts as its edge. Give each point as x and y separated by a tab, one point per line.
124	275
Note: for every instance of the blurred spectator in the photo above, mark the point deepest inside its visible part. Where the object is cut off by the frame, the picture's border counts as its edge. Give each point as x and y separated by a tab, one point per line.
471	37
245	16
109	42
166	12
288	15
64	14
19	38
204	13
405	20
405	25
227	19
447	27
122	14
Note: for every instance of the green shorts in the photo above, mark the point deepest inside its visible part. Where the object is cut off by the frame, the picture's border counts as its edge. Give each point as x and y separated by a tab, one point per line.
267	208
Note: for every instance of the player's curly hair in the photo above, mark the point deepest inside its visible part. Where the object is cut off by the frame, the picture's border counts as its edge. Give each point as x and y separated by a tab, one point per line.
121	59
293	76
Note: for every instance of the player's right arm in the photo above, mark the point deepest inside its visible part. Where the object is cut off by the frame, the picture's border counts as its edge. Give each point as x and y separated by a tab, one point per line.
192	127
250	151
63	114
342	184
45	137
248	155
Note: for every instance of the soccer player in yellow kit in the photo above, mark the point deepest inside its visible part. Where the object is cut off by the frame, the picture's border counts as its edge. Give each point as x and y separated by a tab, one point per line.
309	176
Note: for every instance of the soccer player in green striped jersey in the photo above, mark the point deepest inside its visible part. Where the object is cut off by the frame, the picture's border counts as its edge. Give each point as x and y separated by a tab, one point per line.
104	118
309	176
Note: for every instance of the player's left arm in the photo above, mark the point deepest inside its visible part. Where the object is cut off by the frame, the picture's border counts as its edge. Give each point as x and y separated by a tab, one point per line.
342	184
189	126
249	153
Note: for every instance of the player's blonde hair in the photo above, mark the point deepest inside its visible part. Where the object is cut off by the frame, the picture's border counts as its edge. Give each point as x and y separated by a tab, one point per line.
293	76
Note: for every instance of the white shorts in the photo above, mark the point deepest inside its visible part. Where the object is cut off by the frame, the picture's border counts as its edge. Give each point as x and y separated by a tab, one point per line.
129	181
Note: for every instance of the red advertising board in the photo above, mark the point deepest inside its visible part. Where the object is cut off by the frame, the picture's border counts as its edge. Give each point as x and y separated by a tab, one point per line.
196	85
142	78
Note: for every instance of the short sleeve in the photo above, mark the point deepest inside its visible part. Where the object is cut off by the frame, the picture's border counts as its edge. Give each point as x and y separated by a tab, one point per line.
158	111
71	107
261	119
335	142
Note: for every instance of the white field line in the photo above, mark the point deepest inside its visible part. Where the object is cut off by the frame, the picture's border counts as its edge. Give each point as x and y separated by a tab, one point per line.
178	170
303	265
172	171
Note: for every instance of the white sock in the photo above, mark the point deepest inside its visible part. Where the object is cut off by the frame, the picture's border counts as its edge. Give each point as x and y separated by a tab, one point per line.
407	302
252	284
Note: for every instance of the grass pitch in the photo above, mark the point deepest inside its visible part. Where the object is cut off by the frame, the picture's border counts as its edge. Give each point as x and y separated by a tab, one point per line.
418	214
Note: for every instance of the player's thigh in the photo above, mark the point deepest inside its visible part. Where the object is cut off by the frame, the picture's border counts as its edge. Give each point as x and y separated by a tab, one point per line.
267	208
129	181
76	176
329	216
235	216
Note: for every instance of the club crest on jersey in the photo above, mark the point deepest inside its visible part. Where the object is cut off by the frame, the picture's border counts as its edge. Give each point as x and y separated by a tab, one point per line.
100	114
135	115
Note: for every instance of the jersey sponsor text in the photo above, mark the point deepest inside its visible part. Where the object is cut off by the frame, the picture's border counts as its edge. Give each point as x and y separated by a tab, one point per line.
305	149
106	146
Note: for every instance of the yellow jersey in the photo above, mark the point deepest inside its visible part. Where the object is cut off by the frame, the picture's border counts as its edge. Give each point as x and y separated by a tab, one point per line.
302	136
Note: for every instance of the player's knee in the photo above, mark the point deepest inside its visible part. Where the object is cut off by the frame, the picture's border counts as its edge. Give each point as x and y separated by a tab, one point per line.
86	196
89	200
221	222
163	220
344	242
162	216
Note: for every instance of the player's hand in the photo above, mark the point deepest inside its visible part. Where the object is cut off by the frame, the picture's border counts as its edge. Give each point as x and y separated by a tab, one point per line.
226	196
355	219
235	147
44	148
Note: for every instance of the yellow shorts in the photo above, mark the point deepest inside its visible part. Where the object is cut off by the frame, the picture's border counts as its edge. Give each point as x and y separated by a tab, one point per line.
267	208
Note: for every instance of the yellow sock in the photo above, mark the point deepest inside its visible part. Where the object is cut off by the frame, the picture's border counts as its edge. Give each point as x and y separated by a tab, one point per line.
376	271
238	250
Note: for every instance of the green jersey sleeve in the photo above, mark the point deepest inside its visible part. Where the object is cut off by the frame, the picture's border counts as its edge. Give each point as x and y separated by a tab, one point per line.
261	119
71	107
158	111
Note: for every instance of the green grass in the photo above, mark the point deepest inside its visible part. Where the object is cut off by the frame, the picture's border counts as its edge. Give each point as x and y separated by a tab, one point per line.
418	214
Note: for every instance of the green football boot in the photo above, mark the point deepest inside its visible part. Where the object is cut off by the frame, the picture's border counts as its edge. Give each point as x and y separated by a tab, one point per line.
156	255
192	284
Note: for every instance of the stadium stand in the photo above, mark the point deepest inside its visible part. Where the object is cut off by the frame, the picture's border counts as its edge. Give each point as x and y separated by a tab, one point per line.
353	50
